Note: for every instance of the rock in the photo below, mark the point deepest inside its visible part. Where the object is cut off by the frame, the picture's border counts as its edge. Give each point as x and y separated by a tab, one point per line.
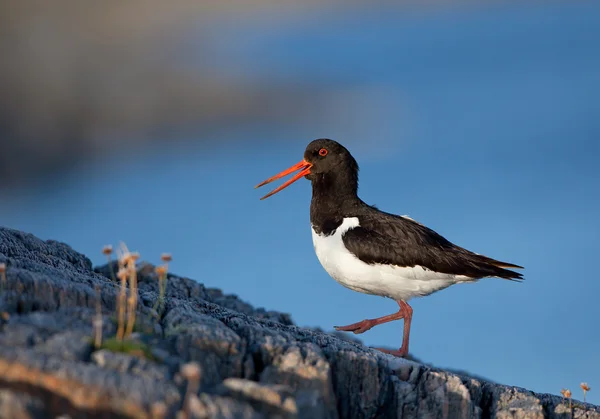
126	363
252	363
305	370
21	405
274	400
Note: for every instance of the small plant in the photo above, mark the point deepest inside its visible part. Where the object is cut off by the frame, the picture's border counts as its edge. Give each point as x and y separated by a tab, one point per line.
161	271
121	298
159	410
127	300
192	373
133	293
98	320
585	388
127	270
566	393
3	281
107	250
4	286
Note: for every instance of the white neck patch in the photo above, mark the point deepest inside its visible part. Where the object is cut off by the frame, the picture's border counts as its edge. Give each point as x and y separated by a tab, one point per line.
347	224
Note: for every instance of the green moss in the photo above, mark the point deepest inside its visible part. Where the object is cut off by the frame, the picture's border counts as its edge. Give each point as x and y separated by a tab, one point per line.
130	347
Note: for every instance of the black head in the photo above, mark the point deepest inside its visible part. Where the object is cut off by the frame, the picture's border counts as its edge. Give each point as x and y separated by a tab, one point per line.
328	157
326	163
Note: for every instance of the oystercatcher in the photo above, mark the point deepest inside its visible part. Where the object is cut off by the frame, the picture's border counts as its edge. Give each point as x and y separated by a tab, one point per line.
373	252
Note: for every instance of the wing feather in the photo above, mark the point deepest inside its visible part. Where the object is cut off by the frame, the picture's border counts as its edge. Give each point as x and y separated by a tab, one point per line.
391	239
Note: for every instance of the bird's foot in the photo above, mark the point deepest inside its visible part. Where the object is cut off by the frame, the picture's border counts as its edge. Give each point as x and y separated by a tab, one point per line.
357	328
400	353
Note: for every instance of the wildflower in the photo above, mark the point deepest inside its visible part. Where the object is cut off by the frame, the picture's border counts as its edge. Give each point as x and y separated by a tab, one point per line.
161	271
121	297
166	257
125	258
122	274
159	410
567	394
132	300
97	322
585	388
192	372
107	250
128	257
2	276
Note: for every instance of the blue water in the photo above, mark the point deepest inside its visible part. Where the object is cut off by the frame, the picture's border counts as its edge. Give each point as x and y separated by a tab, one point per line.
483	124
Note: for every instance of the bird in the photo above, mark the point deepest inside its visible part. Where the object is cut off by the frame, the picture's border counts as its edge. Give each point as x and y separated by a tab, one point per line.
374	252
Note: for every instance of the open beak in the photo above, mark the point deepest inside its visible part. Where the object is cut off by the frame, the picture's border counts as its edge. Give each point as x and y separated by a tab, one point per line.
304	168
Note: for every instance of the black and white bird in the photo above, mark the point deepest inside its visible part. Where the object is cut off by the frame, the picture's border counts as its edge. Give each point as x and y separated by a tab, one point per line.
373	252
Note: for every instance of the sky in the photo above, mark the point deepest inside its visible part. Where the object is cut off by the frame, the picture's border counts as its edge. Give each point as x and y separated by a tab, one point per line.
481	123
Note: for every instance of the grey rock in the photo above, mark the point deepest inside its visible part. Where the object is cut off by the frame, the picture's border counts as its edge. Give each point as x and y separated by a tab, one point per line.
198	337
305	370
254	363
70	345
215	407
273	400
19	405
125	363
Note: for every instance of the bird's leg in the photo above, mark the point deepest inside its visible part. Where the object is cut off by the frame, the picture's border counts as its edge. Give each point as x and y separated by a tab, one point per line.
407	312
363	326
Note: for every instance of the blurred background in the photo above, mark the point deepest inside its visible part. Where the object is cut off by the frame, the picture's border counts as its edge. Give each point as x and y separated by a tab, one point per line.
150	122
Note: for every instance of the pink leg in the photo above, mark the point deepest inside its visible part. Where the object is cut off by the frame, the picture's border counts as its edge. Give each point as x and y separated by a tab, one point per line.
405	313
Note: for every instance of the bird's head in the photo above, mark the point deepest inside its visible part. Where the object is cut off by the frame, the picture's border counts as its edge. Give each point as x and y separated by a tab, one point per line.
322	157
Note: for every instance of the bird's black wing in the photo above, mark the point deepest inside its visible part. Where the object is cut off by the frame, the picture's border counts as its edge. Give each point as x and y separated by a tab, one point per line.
390	239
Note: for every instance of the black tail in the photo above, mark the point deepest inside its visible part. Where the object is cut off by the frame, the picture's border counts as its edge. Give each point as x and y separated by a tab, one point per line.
498	268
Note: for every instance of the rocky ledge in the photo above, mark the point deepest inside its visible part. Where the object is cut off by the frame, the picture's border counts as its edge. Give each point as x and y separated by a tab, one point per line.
207	355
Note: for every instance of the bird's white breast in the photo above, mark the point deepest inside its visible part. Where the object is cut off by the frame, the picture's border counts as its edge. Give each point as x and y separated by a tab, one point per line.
399	283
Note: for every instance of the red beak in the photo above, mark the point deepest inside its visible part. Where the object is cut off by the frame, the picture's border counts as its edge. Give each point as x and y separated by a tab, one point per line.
304	168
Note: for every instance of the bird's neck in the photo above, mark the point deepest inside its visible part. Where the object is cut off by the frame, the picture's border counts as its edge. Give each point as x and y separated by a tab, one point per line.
334	196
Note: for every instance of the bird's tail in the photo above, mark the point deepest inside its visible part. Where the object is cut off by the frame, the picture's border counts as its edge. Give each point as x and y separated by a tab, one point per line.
501	269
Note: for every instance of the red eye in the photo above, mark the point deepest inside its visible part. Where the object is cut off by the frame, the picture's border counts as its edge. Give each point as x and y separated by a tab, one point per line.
323	152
